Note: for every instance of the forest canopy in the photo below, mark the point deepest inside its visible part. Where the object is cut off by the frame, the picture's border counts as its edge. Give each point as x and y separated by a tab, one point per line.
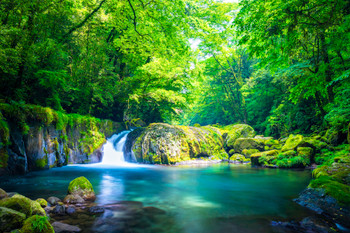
280	66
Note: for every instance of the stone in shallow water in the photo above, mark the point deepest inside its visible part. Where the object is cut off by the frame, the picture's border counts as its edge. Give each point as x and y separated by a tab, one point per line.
96	209
53	200
153	210
64	228
70	210
73	199
59	210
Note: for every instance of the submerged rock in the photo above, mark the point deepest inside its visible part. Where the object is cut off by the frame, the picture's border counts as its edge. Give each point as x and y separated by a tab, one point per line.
96	209
59	210
70	210
82	187
60	227
319	202
10	219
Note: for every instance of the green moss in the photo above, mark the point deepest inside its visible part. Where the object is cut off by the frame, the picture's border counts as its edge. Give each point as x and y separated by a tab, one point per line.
37	224
333	188
239	158
10	219
80	183
233	132
4	132
248	152
305	151
3	157
41	163
293	142
42	202
19	203
37	209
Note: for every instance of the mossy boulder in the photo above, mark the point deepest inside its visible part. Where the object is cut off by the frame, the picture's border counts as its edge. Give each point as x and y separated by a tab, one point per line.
293	142
19	203
37	209
167	144
333	188
233	132
248	143
248	152
23	204
255	158
238	158
305	151
289	153
3	194
316	143
42	202
37	224
10	219
82	187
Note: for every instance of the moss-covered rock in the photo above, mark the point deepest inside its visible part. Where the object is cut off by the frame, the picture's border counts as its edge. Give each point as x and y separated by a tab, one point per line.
289	153
10	219
82	187
23	204
293	142
37	224
167	144
305	151
248	143
233	132
3	194
248	152
316	144
37	209
238	158
42	202
255	158
19	203
333	188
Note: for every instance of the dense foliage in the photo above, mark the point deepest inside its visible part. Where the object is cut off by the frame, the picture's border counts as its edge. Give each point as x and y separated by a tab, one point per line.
280	66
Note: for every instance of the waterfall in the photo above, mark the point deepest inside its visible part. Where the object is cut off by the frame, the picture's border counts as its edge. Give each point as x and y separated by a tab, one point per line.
113	149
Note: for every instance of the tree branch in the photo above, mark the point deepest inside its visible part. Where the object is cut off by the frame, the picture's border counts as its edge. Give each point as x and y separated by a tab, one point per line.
82	22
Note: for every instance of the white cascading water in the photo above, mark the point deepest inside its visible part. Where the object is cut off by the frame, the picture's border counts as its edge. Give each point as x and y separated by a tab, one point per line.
113	149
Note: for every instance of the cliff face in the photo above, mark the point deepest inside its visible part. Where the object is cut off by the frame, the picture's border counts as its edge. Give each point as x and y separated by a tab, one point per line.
43	139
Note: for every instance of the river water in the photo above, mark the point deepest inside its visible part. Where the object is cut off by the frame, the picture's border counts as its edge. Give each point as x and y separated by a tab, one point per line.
225	197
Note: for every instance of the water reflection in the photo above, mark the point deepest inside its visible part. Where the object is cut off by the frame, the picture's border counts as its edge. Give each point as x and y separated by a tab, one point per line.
111	189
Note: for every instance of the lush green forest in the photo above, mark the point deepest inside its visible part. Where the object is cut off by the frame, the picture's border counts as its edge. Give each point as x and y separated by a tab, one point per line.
280	66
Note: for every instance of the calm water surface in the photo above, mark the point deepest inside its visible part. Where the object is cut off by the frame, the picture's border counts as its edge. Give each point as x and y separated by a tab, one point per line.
232	198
